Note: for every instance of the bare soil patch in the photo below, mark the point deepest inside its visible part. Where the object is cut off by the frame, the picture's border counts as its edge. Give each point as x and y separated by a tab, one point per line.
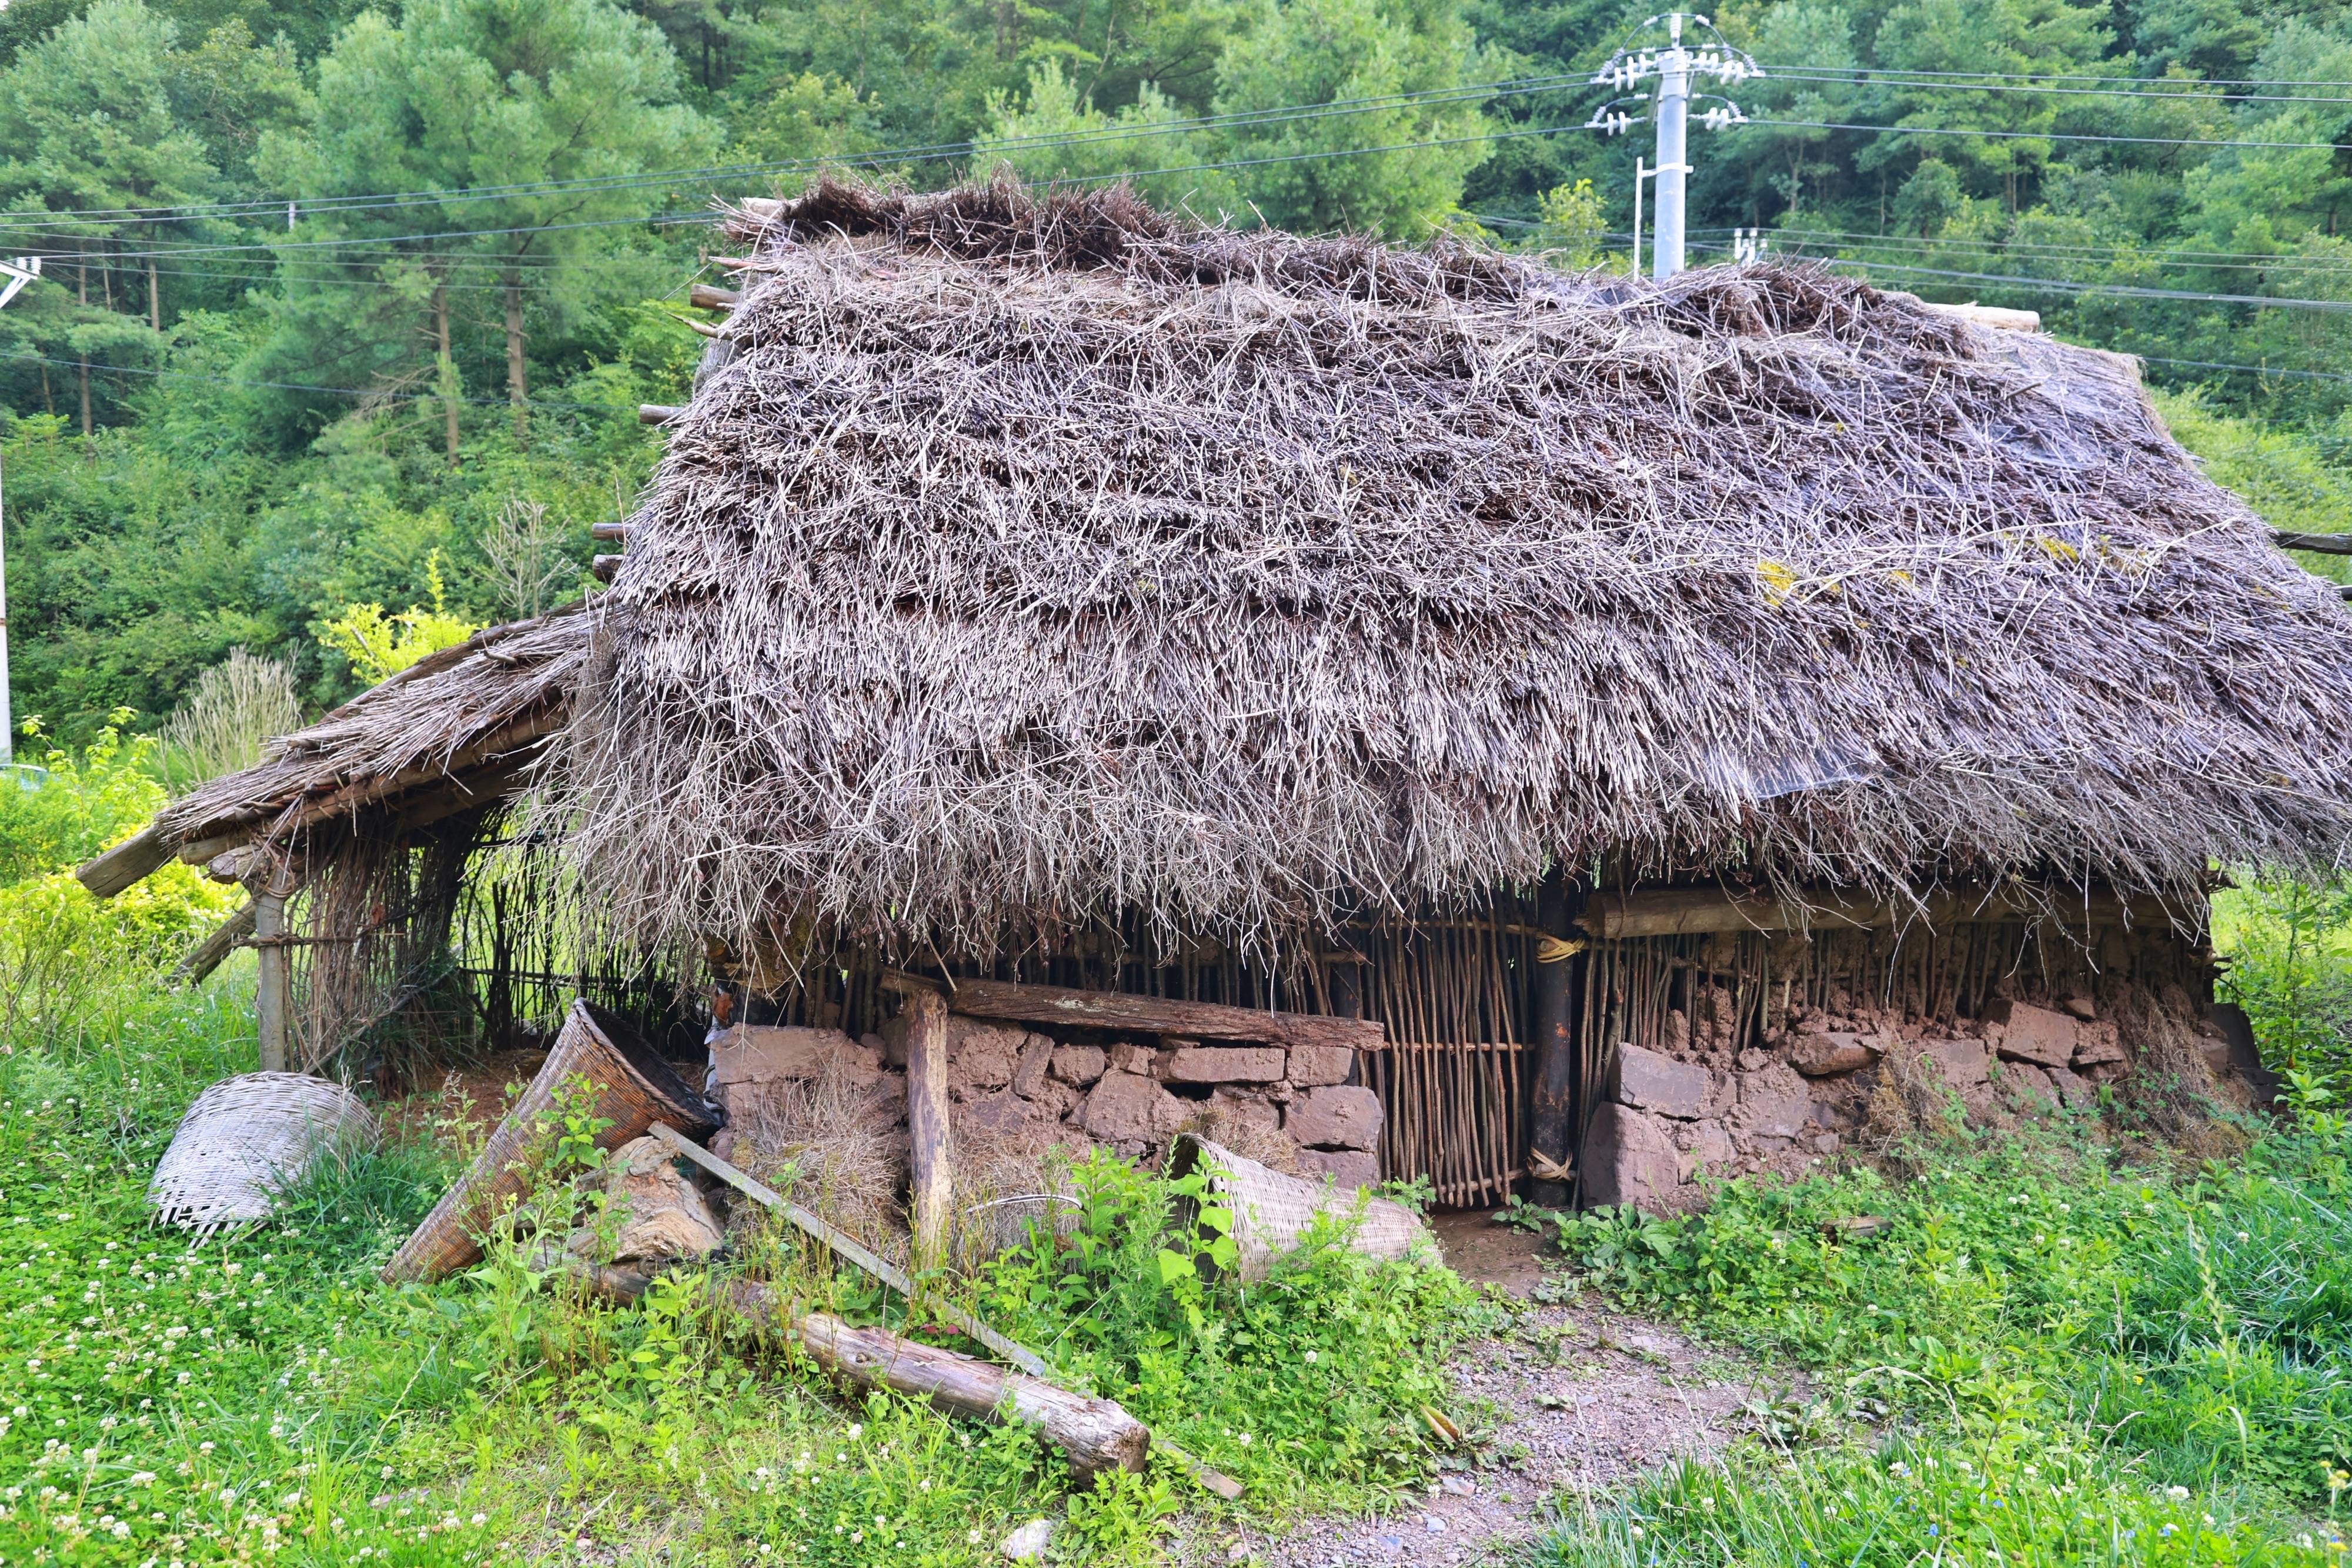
1574	1399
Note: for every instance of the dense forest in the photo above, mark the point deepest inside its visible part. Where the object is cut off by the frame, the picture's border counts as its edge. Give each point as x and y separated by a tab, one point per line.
344	308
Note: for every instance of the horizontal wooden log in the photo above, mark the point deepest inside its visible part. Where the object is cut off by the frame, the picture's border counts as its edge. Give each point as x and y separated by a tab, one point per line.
1156	1015
127	863
711	297
657	412
609	533
607	567
2318	544
1696	911
1097	1435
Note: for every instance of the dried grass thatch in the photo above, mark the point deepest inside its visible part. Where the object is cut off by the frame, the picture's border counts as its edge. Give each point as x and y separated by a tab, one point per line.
1032	558
472	715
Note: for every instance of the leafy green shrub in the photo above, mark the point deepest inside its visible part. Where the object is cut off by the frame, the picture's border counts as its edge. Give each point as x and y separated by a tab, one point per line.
61	807
2015	1505
1318	1376
2287	945
2203	1321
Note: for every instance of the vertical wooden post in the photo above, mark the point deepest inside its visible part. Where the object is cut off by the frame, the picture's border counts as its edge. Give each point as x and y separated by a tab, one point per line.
270	1001
1552	1130
931	1157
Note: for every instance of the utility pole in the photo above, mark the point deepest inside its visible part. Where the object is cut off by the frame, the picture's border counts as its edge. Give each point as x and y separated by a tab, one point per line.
1673	68
17	272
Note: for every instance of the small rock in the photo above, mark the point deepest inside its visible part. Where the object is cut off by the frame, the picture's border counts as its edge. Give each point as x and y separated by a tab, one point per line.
1028	1544
1457	1486
1238	1552
1431	1524
1820	1055
1649	1081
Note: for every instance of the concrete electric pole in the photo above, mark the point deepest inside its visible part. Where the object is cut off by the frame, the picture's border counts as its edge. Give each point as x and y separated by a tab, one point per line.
17	272
1673	69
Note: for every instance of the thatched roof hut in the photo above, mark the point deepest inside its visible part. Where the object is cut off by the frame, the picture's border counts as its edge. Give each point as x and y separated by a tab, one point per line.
1026	566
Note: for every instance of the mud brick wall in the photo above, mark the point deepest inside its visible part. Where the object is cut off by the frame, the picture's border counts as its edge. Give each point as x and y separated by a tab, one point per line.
1825	1060
1011	1086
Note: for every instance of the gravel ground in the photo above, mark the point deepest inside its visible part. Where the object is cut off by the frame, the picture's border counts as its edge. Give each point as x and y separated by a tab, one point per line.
1575	1399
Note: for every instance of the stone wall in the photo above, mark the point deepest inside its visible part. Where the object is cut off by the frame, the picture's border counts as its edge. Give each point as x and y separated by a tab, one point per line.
1827	1079
1012	1087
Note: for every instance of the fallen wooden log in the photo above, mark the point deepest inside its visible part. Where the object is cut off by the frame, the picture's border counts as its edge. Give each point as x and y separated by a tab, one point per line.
1097	1435
962	1321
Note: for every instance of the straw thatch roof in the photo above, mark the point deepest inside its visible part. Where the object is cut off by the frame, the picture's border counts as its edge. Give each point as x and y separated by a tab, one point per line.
1027	559
456	726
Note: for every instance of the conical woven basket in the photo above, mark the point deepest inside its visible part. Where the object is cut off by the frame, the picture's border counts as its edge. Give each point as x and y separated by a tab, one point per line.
1273	1211
248	1138
634	1089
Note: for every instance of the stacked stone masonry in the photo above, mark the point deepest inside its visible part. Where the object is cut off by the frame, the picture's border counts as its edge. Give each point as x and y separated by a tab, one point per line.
1010	1083
1686	1108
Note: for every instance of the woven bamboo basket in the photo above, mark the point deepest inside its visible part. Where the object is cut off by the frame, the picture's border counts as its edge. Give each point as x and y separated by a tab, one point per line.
634	1089
248	1138
1273	1211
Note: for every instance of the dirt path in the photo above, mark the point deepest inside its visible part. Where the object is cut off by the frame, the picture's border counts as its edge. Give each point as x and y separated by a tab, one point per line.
1575	1398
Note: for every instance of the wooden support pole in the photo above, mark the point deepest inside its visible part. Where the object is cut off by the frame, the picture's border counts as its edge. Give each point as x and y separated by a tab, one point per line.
1551	1113
930	1156
271	1001
2319	544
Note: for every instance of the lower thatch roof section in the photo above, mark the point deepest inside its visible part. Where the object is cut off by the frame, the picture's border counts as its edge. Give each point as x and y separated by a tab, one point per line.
452	730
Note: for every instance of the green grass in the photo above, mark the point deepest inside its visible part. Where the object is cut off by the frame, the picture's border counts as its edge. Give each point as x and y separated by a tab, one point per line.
261	1395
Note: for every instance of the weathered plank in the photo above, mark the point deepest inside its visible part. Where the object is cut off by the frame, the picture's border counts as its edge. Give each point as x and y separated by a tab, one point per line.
1691	910
1156	1015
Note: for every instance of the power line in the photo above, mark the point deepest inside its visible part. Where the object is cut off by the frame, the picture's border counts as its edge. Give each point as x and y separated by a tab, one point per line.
389	393
2063	285
2075	75
930	151
2040	247
1900	80
2052	135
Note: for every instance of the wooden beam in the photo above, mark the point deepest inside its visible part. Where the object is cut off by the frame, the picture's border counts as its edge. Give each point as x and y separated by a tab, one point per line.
1156	1015
208	954
848	1247
930	1152
711	297
1693	911
607	567
657	412
1552	1098
127	863
609	533
2318	544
